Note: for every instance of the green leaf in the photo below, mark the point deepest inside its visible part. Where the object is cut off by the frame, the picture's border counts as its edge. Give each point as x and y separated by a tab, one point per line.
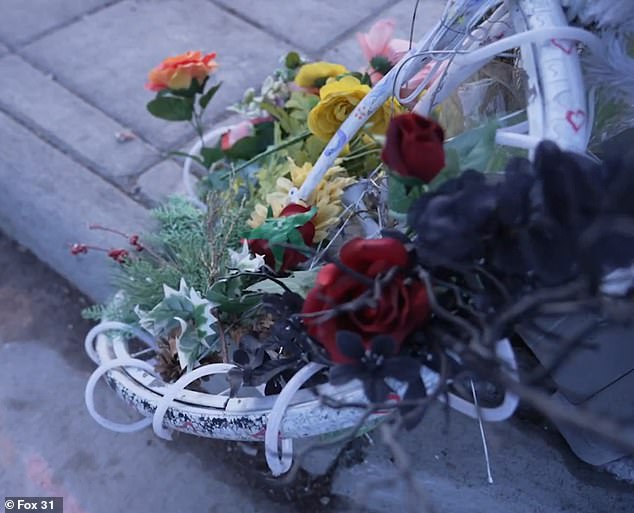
302	101
280	114
219	179
278	254
210	155
171	108
230	298
365	79
292	60
282	230
300	282
381	64
244	149
251	146
176	303
206	98
475	147
313	148
273	227
401	194
408	181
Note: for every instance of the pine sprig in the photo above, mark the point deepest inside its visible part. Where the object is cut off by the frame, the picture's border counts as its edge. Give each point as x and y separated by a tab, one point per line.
179	249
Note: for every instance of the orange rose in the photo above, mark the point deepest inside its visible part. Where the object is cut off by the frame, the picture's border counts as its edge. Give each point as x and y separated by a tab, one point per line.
178	72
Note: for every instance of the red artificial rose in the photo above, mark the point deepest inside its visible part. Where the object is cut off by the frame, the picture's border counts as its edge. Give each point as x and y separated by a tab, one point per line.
403	305
292	257
414	147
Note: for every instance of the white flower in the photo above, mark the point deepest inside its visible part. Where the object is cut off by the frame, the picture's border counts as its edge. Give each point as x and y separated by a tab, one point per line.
189	310
242	261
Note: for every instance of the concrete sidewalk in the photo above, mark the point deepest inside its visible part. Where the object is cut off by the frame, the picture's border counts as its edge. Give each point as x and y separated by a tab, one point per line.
72	75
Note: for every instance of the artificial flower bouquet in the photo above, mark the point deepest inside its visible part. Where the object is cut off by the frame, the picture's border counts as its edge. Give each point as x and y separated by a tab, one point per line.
409	254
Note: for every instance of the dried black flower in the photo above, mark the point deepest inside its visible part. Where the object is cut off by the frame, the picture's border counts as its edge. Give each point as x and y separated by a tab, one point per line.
372	366
538	224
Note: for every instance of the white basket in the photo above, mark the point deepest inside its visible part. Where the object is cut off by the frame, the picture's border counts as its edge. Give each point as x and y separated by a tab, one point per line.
557	109
294	413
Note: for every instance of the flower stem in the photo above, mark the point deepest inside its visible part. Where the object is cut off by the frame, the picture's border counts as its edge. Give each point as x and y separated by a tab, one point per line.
106	229
274	149
354	156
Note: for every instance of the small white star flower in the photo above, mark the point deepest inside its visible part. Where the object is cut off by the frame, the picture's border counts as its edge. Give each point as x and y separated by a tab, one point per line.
242	260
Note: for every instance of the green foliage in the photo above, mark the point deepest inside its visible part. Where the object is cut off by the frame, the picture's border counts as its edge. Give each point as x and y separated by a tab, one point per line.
402	192
230	296
277	226
187	317
171	108
111	311
179	249
204	100
307	152
271	170
292	60
210	156
381	64
474	149
94	312
451	170
118	308
300	282
142	280
253	145
293	116
282	230
189	244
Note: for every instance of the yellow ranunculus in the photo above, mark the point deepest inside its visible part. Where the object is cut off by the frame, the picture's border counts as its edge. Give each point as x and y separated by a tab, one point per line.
316	73
338	98
327	197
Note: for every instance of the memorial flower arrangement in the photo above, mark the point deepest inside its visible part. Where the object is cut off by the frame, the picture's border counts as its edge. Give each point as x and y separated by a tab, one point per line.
459	257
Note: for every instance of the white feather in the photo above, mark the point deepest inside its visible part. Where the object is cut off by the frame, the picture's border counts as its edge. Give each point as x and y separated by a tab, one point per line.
612	71
603	14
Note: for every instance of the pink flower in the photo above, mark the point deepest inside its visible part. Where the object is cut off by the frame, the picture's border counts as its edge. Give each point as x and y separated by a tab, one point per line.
375	42
378	43
380	49
235	133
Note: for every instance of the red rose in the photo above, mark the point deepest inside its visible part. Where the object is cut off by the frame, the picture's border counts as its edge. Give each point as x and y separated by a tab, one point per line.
292	258
403	305
414	147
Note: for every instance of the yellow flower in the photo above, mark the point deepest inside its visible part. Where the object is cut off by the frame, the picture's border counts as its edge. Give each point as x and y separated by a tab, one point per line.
316	73
338	98
327	197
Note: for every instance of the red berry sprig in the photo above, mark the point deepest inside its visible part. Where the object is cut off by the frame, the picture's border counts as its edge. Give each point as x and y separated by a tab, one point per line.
119	255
